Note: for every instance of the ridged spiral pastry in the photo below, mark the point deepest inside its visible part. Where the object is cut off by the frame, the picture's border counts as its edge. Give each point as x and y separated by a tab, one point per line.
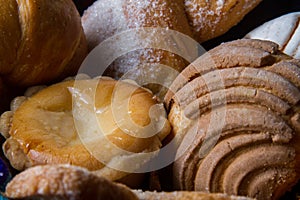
40	41
105	19
57	125
235	111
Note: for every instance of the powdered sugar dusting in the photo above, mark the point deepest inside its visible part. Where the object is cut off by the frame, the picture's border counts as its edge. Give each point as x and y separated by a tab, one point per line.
220	4
105	19
62	180
209	18
102	20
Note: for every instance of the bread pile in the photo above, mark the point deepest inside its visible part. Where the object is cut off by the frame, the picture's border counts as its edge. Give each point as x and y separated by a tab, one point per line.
231	117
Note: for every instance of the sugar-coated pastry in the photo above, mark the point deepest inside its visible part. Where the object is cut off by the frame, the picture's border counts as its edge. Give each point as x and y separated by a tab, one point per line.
148	25
64	182
105	127
40	41
210	19
284	31
106	18
235	112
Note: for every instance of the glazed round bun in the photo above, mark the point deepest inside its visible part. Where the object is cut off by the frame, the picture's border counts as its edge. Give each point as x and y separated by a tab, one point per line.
51	127
236	113
40	41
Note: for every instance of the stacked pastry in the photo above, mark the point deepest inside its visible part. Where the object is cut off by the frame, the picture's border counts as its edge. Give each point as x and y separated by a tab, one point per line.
235	111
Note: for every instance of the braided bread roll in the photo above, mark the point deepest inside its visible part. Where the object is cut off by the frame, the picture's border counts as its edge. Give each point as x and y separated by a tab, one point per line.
236	113
39	41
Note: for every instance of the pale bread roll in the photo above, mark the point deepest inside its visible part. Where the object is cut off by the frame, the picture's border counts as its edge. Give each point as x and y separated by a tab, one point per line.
284	30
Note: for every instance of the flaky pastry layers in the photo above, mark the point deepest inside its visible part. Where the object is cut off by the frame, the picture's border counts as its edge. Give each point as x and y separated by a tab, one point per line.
50	128
235	111
40	41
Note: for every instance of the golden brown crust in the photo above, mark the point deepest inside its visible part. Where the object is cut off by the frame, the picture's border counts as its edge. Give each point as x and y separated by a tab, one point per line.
127	15
64	182
238	104
210	19
39	40
43	130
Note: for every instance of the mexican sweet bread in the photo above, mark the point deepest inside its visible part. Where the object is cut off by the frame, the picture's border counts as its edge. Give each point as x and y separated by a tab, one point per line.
40	41
63	124
64	182
70	182
235	113
156	19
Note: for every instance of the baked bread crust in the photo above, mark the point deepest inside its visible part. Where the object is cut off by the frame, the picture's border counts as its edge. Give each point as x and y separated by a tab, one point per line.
210	19
39	40
105	19
235	112
64	182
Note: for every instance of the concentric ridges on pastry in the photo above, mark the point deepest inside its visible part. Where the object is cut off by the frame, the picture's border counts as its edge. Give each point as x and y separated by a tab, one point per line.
240	105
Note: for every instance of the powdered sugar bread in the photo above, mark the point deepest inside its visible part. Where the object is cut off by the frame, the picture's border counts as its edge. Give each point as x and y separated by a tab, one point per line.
64	182
284	30
200	20
210	19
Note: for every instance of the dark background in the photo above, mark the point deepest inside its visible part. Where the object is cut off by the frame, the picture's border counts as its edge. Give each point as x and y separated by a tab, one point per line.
265	11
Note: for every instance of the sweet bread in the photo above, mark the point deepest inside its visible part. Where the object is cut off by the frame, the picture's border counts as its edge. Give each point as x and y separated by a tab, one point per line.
235	113
105	19
40	41
210	19
56	127
126	15
283	30
70	182
64	182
